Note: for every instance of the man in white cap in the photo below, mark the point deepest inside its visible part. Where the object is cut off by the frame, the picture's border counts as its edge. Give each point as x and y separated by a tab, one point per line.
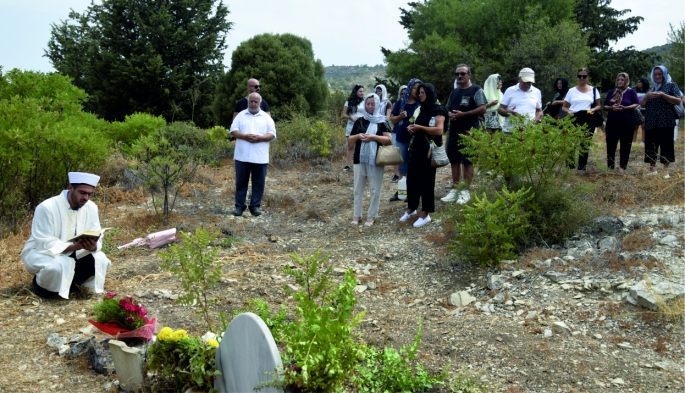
59	266
521	99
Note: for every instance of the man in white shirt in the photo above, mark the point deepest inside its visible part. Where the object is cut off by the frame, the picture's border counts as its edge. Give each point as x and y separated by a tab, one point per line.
58	265
521	99
254	130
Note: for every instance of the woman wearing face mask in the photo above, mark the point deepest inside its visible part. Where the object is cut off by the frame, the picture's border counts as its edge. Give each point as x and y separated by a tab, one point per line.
427	128
660	120
401	114
395	107
620	105
583	101
554	107
493	93
368	133
354	109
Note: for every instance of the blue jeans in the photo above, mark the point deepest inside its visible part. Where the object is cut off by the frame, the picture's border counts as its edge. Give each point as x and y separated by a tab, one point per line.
243	170
404	150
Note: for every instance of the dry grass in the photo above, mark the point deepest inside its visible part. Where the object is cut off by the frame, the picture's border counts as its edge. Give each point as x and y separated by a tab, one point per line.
661	344
11	267
638	240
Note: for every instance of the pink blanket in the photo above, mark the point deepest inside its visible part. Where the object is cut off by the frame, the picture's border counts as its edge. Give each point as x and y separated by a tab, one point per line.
153	240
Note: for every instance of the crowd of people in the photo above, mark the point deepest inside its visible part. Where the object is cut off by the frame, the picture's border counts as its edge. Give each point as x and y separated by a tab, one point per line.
418	121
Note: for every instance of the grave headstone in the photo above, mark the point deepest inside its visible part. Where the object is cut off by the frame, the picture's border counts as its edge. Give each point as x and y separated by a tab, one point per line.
246	353
129	364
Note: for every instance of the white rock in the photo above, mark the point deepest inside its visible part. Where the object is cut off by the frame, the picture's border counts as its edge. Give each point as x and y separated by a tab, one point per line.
618	382
60	321
560	327
597	336
361	288
63	350
547	333
668	240
460	299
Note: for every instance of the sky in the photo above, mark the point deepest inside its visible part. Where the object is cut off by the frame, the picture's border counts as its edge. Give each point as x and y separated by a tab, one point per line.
342	33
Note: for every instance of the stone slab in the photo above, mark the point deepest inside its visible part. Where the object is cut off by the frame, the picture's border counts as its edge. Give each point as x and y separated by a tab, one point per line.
129	364
246	353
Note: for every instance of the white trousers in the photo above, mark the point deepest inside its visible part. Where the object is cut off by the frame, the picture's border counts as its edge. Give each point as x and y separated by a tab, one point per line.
375	183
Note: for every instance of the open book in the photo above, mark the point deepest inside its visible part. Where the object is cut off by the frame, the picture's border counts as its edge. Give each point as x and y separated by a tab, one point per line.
87	234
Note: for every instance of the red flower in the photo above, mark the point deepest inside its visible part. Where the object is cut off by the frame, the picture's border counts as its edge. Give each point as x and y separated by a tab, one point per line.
110	295
130	320
142	312
129	308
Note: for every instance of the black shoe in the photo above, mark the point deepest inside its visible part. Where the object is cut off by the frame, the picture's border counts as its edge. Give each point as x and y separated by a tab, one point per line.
347	169
40	291
238	212
394	198
395	179
255	211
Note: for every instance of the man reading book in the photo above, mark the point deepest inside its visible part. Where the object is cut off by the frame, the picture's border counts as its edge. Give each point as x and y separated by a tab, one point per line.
57	264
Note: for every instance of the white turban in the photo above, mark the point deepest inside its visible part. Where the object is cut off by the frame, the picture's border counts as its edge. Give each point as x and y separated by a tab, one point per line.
83	178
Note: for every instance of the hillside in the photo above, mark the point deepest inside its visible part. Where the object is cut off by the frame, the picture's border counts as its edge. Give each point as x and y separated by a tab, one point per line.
345	77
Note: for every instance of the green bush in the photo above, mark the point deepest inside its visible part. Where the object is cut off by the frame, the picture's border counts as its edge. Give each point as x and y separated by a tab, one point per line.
167	158
302	137
392	371
133	127
44	134
275	322
491	231
321	352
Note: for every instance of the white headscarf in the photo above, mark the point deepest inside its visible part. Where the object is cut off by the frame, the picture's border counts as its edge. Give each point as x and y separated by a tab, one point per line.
367	153
383	97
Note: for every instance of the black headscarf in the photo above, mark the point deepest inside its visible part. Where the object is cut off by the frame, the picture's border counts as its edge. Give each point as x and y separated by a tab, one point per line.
645	85
564	87
429	107
354	100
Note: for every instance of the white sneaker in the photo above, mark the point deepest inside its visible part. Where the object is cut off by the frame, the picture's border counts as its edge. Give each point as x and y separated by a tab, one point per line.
422	221
464	196
407	216
653	173
450	197
666	176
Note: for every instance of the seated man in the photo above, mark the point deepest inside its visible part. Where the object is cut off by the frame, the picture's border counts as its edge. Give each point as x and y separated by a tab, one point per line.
56	264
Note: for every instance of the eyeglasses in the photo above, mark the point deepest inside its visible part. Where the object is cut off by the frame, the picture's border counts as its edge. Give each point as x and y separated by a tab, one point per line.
581	76
461	73
257	86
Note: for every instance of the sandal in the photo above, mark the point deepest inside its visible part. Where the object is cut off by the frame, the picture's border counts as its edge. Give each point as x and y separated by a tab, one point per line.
369	222
355	221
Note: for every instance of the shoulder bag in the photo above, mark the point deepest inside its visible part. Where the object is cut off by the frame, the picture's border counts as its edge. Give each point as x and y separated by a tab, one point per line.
596	120
639	119
388	155
437	154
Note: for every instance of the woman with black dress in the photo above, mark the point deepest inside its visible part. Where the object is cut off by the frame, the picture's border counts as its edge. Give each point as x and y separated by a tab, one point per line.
427	128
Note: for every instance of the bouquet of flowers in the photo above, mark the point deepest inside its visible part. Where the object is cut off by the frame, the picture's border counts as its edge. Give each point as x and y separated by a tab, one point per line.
122	318
185	361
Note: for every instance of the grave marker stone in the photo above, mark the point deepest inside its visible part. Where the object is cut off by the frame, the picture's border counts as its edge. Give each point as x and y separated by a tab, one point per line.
247	351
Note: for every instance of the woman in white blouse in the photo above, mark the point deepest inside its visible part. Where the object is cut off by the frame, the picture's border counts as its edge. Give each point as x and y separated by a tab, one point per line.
583	101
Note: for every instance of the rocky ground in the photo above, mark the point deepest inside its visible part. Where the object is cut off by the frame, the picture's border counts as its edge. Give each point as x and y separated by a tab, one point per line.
571	318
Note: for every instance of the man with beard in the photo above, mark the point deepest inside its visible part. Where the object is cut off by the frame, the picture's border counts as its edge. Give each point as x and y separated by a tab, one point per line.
466	107
57	264
254	130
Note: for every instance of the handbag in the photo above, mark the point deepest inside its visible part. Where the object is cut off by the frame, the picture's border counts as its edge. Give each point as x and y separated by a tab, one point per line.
679	110
389	155
437	154
596	120
639	119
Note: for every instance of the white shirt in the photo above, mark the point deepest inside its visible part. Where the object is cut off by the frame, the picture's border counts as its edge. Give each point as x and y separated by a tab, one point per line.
359	112
581	101
260	124
525	102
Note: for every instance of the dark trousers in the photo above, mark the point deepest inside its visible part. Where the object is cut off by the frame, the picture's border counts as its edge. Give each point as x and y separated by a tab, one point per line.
85	269
580	118
243	172
421	183
614	134
659	140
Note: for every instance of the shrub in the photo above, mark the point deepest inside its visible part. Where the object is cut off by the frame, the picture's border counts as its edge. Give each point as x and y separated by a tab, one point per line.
491	231
392	371
133	127
320	350
302	137
187	361
195	264
275	322
168	158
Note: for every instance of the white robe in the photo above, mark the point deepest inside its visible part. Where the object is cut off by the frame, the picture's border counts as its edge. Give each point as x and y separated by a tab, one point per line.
53	223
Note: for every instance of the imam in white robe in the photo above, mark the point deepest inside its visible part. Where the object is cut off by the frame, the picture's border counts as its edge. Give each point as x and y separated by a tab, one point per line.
53	223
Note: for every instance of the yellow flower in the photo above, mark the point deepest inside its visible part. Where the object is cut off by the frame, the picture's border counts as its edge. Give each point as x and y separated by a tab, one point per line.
180	334
165	333
213	343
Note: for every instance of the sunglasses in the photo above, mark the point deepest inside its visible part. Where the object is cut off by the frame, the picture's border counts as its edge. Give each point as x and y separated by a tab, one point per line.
257	86
581	76
461	73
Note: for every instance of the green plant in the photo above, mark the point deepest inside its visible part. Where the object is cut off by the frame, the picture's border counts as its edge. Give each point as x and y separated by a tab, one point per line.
167	158
275	322
302	137
464	383
194	263
491	230
187	361
133	127
392	371
321	352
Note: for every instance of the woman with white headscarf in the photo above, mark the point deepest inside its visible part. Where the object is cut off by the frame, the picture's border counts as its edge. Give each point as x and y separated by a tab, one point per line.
493	93
382	93
368	133
660	120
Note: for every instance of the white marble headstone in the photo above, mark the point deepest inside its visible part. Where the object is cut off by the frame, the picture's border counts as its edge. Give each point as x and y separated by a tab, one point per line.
247	351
